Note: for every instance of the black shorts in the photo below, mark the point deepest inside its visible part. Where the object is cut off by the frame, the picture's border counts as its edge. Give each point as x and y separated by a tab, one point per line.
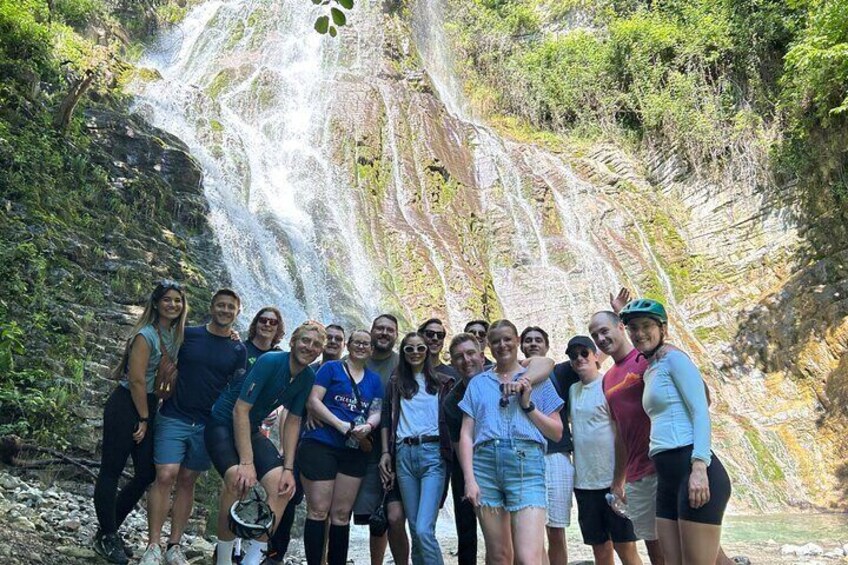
321	462
598	522
673	469
221	445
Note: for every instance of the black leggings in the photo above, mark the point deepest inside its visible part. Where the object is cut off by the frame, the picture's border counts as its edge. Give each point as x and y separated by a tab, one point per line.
673	469
120	419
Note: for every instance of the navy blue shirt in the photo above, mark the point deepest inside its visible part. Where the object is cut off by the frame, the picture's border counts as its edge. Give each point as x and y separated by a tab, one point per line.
207	362
563	377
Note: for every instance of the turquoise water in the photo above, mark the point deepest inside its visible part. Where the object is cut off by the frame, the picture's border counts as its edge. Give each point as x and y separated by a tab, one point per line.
786	528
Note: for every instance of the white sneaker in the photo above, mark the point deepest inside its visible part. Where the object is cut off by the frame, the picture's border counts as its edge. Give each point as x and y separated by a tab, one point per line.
151	556
175	556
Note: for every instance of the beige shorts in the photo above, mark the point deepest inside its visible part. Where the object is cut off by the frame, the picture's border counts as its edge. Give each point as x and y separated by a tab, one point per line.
642	506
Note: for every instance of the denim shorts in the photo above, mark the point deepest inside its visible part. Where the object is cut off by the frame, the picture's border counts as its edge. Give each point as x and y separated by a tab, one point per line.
511	474
179	442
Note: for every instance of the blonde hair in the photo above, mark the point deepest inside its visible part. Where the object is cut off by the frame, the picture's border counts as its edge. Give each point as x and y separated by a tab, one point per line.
310	326
150	317
498	324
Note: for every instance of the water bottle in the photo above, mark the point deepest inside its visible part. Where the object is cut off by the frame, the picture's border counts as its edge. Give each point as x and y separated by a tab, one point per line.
618	506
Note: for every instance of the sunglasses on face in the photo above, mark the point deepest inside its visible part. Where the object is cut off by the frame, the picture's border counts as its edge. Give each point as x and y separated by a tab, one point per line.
420	348
430	334
335	338
584	353
477	333
273	322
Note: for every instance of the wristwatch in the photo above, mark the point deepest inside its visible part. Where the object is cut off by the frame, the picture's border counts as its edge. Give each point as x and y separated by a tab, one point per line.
530	407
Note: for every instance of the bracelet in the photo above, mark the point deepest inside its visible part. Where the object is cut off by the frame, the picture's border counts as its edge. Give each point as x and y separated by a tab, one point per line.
246	464
146	419
288	469
386	453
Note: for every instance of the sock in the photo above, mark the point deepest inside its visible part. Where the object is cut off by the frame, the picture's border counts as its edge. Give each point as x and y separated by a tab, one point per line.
225	552
313	541
337	546
253	555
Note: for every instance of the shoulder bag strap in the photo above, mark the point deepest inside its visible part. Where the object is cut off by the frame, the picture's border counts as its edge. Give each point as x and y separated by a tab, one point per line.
359	404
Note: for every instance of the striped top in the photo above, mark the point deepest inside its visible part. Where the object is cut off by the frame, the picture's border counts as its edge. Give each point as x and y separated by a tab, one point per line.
482	403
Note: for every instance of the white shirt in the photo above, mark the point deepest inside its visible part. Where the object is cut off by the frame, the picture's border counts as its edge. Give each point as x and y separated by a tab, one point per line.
594	442
419	416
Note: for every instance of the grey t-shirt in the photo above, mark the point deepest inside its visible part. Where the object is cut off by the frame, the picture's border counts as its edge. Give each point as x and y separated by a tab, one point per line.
384	368
150	335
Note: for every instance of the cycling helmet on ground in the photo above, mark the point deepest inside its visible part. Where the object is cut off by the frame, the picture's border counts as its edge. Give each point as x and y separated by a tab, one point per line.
251	517
642	308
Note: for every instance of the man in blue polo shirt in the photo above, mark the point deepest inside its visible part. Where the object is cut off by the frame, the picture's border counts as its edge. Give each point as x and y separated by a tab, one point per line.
241	453
209	358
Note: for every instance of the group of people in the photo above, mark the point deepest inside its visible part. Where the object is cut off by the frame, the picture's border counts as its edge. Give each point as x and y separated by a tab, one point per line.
376	433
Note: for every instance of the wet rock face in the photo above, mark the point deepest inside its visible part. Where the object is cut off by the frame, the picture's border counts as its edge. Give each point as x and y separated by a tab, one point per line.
102	276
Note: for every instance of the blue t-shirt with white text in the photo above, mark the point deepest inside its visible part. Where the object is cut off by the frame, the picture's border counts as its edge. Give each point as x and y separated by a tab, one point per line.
341	400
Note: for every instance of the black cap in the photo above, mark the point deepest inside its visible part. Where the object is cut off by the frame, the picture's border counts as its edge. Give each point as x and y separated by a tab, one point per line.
581	341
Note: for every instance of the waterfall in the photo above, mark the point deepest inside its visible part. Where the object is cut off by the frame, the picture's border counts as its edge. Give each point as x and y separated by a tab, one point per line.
247	85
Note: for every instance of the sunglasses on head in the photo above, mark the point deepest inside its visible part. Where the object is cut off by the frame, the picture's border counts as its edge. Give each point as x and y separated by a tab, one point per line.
573	355
168	284
420	348
273	322
431	334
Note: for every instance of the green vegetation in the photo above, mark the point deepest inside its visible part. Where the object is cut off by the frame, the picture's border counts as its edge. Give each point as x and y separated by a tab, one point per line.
59	209
733	86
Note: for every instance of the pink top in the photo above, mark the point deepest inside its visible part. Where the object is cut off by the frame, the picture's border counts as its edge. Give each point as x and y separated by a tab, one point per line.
623	387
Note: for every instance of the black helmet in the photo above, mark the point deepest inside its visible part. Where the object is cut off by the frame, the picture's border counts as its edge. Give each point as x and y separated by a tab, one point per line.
251	517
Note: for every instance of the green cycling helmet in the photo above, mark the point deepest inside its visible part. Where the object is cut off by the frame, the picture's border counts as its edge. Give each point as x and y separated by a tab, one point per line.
643	307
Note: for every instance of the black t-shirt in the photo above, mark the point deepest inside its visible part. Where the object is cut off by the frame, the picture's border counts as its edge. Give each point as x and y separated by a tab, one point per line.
563	377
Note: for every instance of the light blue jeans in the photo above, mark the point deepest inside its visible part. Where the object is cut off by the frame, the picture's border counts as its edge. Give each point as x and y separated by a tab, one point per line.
421	473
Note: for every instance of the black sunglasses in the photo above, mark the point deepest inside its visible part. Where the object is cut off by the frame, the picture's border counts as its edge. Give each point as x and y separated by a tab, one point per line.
584	353
168	284
431	334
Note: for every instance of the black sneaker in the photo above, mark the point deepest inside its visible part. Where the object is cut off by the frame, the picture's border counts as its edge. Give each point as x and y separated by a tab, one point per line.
127	549
271	557
110	548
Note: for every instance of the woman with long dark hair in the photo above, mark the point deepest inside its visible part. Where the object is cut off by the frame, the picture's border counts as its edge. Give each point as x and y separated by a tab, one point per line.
417	440
693	487
129	413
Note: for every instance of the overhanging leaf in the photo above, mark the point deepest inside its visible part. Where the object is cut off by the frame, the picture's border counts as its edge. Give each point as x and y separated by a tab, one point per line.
346	4
321	24
332	31
338	17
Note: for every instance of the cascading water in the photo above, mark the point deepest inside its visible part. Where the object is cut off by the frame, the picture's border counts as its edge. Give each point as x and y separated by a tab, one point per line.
340	184
247	84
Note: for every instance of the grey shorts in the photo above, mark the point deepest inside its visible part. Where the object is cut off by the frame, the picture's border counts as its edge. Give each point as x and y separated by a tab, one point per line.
642	506
559	481
370	492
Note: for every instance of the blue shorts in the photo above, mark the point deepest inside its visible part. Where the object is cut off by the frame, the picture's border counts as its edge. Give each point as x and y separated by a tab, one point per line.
179	443
511	474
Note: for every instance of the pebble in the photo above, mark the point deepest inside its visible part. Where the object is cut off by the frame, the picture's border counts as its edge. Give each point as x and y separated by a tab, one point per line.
70	525
808	550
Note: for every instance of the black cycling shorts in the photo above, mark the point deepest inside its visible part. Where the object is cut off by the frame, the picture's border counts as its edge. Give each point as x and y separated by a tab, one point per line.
598	522
221	445
321	462
673	468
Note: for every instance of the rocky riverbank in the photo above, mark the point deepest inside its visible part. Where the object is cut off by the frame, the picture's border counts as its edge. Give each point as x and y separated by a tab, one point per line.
54	523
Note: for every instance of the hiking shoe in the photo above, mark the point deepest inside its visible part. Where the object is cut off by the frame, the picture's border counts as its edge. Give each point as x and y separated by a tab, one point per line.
127	549
271	557
151	556
175	556
109	547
